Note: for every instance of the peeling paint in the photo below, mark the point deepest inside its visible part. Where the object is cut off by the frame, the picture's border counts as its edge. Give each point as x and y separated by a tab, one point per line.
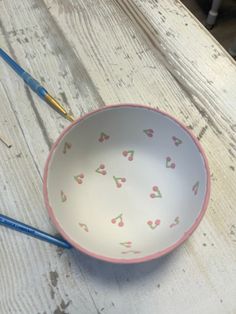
202	132
52	292
62	307
53	278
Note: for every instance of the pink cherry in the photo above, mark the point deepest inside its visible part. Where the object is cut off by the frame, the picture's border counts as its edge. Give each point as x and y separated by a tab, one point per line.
113	221
125	153
102	166
129	242
157	222
168	158
155	188
149	222
81	175
149	134
104	172
172	166
152	195
130	158
119	185
101	139
80	181
123	179
121	224
107	137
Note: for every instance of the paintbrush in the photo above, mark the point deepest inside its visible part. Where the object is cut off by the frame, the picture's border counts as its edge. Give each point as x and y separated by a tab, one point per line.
33	232
35	86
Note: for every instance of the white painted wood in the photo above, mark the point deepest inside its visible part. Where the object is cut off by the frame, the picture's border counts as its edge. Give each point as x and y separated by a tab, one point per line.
96	52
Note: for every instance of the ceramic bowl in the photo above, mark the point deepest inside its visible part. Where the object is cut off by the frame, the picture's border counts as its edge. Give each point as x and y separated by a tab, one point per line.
126	183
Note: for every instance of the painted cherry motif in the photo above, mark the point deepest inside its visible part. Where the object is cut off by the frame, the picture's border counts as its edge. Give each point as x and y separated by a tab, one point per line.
103	137
63	197
170	164
176	222
118	218
177	141
101	169
66	147
195	188
127	244
129	154
79	178
119	181
154	224
131	251
149	132
157	192
84	227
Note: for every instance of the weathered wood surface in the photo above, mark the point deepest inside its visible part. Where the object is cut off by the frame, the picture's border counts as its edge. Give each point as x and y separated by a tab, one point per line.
90	53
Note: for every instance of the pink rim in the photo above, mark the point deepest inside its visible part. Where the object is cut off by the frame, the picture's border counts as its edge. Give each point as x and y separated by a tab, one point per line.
132	260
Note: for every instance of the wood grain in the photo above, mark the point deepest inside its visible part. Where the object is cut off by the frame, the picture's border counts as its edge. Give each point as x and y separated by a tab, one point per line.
90	53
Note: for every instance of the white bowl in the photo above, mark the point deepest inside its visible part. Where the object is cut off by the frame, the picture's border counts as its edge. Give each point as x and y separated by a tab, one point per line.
126	183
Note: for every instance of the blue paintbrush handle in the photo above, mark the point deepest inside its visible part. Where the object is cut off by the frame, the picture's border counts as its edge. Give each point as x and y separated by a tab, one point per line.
29	80
34	85
33	232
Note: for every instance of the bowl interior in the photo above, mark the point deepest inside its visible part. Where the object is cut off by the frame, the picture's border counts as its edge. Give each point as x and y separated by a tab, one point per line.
126	183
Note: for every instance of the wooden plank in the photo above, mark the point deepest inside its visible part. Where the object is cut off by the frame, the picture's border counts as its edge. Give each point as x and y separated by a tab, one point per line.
91	53
40	53
29	263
